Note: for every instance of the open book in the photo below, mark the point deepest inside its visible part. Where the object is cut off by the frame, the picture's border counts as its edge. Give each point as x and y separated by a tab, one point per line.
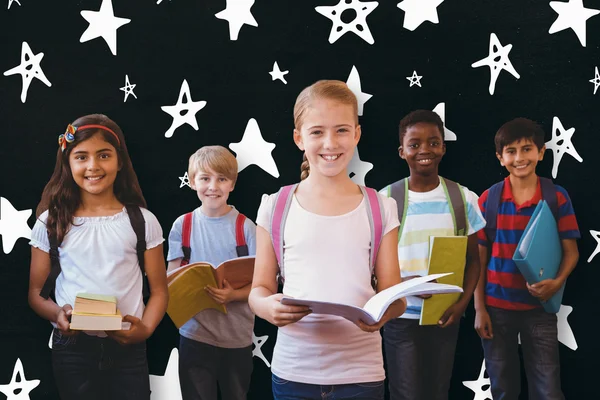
187	296
377	305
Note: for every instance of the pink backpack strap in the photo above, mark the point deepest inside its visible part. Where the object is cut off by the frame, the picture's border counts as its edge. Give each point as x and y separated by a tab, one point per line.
279	214
374	211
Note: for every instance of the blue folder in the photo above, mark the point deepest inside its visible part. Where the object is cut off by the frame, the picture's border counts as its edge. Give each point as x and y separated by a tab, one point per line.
542	252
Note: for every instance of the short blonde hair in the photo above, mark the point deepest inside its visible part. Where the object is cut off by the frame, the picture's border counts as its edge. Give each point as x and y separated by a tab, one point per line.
215	158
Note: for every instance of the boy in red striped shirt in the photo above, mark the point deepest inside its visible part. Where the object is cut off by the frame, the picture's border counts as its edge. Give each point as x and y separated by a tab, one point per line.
505	303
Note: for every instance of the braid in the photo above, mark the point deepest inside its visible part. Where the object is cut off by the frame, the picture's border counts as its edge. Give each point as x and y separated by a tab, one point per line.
304	168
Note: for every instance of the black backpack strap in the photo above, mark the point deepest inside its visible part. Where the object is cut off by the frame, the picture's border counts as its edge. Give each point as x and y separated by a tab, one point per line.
549	194
55	269
399	192
491	210
139	227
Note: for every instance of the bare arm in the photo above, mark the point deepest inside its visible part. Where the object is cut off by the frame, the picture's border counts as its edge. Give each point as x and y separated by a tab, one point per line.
472	271
483	323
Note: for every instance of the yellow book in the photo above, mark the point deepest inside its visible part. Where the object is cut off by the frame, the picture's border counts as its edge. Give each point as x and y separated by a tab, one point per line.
446	254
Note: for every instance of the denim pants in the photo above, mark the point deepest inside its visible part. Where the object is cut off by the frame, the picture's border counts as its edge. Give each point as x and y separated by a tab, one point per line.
539	343
419	359
203	368
93	368
288	390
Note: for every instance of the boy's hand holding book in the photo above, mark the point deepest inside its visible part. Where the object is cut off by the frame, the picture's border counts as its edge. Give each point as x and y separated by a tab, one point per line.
452	314
138	332
222	296
545	289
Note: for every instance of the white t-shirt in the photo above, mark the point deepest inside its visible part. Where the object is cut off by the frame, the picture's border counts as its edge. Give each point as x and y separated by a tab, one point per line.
327	258
98	256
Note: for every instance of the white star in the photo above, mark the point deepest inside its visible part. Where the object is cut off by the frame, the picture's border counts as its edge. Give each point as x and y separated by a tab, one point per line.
358	169
481	386
185	180
103	23
565	333
353	83
13	225
253	149
596	236
237	13
596	80
572	15
13	1
276	73
256	351
560	135
167	387
19	387
190	107
128	89
419	11
440	110
29	68
497	51
414	79
359	25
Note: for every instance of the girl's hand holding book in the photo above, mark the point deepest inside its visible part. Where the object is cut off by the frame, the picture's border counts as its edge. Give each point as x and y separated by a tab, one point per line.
394	310
63	320
282	315
138	332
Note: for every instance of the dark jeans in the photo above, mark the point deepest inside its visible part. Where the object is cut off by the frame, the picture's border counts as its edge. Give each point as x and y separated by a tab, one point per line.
288	390
419	359
93	368
539	343
202	367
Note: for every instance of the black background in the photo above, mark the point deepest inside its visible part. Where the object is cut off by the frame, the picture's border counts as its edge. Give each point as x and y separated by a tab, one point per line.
172	41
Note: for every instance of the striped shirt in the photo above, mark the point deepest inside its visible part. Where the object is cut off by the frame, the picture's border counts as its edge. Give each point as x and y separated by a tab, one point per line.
428	214
506	288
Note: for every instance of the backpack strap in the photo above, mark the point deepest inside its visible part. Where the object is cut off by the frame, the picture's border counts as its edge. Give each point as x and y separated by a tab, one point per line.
375	222
491	210
136	218
458	206
240	239
281	207
186	233
54	268
399	192
549	194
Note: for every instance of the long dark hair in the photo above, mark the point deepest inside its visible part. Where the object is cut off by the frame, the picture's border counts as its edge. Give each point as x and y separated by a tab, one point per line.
61	196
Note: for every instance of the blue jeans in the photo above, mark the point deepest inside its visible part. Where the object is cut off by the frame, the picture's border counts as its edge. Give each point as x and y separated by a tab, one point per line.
203	368
539	343
419	359
93	368
288	390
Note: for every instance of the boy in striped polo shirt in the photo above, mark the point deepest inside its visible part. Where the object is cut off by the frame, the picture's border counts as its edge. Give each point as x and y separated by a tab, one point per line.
420	359
505	303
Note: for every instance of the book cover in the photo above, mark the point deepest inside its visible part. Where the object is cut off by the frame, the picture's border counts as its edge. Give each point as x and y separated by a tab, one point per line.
96	322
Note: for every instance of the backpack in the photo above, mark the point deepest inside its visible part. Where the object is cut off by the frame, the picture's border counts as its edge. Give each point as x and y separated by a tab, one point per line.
454	195
139	227
281	208
240	239
495	198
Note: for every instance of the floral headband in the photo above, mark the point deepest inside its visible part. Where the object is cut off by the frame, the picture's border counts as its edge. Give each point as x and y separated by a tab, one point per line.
69	135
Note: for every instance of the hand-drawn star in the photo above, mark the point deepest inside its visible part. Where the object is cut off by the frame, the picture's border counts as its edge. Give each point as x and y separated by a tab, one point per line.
258	342
253	149
19	387
565	333
572	15
414	79
596	236
501	52
13	1
13	225
276	73
481	387
103	23
440	110
596	80
159	1
559	135
185	180
128	89
189	109
167	387
237	13
359	25
358	169
28	69
353	83
419	11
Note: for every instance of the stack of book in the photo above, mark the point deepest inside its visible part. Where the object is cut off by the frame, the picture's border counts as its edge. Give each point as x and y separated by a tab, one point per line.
95	312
